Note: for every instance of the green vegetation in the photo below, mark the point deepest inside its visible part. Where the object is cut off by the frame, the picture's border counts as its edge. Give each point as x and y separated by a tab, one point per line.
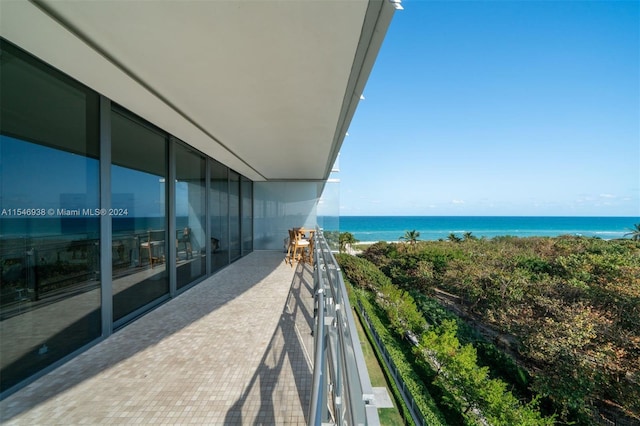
346	239
466	392
551	321
379	374
400	353
635	232
500	364
554	320
470	387
363	280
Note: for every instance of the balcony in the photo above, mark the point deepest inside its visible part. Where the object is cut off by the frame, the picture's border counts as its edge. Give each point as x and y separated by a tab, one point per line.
236	349
232	350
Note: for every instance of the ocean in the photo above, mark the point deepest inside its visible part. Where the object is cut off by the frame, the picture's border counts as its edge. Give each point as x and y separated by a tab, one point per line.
364	228
368	229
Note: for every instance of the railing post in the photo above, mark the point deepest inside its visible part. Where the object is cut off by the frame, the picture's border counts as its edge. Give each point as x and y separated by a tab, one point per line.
315	413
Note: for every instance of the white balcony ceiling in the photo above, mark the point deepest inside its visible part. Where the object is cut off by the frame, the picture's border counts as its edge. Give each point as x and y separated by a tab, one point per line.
267	87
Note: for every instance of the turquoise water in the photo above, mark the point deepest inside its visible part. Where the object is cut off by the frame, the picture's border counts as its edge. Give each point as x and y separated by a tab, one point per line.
370	228
391	228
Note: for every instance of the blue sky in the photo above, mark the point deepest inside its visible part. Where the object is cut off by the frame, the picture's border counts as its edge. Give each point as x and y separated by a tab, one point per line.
500	108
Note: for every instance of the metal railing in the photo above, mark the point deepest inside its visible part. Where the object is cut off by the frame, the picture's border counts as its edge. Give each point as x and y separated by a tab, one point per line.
342	393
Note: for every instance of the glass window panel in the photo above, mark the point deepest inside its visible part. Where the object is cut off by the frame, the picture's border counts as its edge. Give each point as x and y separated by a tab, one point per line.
139	247
190	215
247	216
234	216
219	215
329	211
49	187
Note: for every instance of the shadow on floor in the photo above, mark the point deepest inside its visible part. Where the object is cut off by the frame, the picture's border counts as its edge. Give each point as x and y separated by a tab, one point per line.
287	353
175	315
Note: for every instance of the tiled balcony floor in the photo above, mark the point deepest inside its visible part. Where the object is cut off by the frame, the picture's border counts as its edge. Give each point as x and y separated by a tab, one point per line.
235	349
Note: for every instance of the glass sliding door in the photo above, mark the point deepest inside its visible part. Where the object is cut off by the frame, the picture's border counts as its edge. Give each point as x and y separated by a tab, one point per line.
190	204
219	215
138	186
234	216
50	296
247	215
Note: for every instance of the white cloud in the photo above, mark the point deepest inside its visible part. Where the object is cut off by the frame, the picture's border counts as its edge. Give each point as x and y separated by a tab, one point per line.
607	196
457	201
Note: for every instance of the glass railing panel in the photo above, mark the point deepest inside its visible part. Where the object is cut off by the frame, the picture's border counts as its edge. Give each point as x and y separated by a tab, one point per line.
342	391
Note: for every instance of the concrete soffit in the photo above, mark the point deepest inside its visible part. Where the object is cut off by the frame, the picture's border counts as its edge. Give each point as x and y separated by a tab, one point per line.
267	88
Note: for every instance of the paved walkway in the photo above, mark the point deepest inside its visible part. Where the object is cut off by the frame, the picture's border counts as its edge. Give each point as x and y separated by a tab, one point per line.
234	350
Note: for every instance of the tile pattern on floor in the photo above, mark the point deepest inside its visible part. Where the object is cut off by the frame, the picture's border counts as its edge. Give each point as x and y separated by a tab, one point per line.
232	350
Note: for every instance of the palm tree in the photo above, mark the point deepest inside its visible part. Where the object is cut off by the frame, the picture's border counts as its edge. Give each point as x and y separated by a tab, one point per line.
454	238
468	236
635	232
411	236
346	239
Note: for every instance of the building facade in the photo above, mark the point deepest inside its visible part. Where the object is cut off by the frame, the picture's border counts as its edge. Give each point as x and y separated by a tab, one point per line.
145	146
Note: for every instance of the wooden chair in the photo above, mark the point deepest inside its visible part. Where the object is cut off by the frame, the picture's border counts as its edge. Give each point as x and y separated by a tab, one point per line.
297	246
309	251
290	247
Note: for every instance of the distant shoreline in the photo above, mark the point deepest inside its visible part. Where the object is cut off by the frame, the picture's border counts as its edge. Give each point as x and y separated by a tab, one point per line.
372	229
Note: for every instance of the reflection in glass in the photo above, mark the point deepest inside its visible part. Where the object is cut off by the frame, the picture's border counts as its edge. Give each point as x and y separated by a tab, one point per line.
139	247
234	216
247	216
190	215
219	215
49	268
279	206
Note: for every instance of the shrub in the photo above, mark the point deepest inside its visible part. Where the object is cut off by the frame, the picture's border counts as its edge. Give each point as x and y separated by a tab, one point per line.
379	253
401	359
362	273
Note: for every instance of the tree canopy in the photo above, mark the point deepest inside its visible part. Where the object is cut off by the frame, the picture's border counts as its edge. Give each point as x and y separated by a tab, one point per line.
568	306
346	239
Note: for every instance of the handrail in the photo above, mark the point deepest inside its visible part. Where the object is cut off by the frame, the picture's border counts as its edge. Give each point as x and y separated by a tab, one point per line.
318	359
342	393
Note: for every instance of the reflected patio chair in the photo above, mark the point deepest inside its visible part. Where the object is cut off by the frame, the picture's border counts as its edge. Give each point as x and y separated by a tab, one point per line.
184	238
153	246
215	245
